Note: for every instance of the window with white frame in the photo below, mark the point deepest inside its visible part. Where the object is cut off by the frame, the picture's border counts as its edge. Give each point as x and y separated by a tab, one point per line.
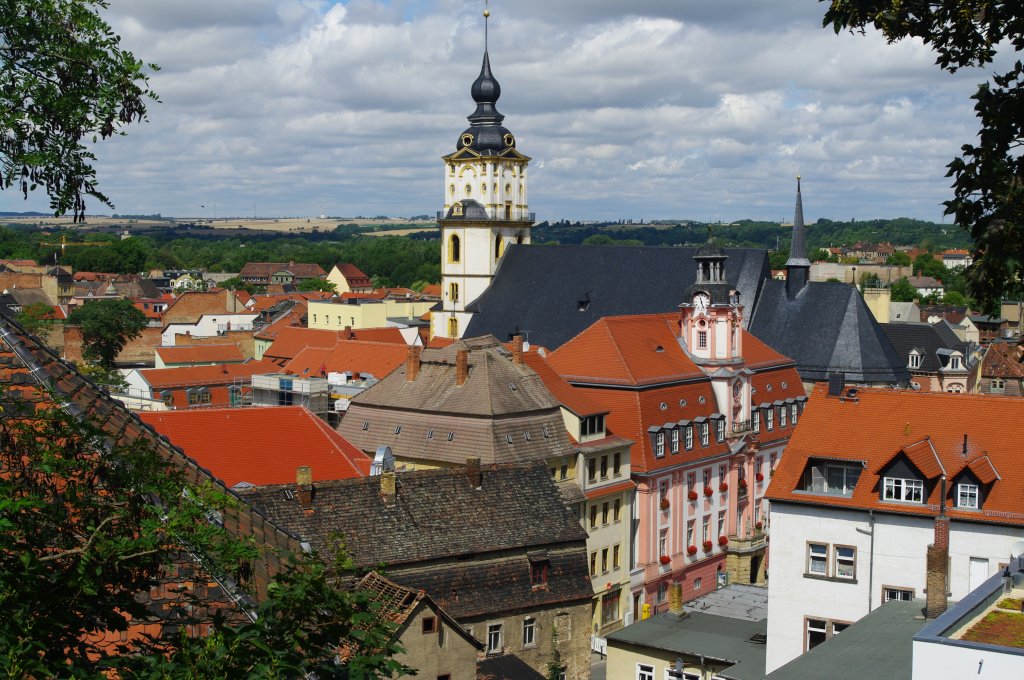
782	416
702	339
902	489
675	441
896	593
769	419
793	412
644	672
817	559
494	638
755	420
915	359
689	437
663	542
967	495
816	632
691	481
846	561
690	528
529	632
706	528
703	434
707	476
720	430
722	529
659	445
997	385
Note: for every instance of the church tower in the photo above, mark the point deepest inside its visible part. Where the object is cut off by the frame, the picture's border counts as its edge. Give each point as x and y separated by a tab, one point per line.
485	205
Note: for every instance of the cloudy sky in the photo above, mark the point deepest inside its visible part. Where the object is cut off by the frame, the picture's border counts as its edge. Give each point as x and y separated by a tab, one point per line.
692	109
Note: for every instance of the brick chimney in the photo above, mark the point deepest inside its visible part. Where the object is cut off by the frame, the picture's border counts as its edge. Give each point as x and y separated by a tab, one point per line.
517	349
388	491
461	366
412	363
473	472
304	480
937	563
349	334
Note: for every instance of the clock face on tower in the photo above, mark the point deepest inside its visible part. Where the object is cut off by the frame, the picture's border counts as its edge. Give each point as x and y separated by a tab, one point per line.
701	302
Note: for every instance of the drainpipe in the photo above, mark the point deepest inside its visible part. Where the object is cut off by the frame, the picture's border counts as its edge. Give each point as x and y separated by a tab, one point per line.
871	556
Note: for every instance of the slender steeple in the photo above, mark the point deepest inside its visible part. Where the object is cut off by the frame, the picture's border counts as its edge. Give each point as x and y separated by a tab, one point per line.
798	267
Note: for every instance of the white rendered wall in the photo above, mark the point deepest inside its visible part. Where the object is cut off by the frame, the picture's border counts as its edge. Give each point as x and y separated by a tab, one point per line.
900	546
947	662
492	183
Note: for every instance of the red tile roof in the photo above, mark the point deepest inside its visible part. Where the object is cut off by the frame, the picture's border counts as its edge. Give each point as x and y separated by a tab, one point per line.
608	490
353	273
1002	360
879	425
200	354
260	445
432	289
367	358
199	376
571	398
292	319
291	340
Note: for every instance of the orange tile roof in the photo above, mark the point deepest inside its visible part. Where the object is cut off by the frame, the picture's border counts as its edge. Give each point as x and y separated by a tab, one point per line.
292	319
260	445
200	354
367	358
879	425
571	398
433	289
375	295
290	340
608	490
439	342
198	376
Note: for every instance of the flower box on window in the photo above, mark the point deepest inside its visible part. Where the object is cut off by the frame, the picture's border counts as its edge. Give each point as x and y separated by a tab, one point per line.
723	540
692	495
708	491
759	526
723	487
759	477
691	550
665	559
664	503
708	545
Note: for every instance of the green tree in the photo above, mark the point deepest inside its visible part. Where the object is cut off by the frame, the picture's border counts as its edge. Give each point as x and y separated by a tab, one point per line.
821	255
925	264
36	318
107	326
64	82
308	285
988	189
954	298
898	259
777	259
902	291
599	240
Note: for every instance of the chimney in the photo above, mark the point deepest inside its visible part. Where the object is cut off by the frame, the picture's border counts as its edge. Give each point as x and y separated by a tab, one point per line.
349	334
461	366
412	363
675	599
517	350
304	480
473	473
387	487
938	562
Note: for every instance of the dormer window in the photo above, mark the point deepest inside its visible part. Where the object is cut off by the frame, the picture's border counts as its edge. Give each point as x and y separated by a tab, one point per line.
915	359
967	495
831	477
659	445
703	434
782	417
954	362
591	425
755	420
675	441
720	430
903	489
769	419
688	439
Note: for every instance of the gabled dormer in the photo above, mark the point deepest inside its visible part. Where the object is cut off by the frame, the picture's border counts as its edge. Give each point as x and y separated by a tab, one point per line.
915	359
911	474
972	484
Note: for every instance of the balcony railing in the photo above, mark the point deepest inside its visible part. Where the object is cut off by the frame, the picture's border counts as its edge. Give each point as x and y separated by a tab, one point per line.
741	427
517	216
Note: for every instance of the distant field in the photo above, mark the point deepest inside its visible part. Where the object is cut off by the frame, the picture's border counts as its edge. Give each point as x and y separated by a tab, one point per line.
401	232
293	225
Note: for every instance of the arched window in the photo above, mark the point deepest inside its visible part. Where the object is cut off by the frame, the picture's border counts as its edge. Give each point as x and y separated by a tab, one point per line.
499	246
453	292
453	327
454	249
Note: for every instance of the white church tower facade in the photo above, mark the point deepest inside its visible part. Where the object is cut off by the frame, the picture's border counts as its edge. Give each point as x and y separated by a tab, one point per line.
485	206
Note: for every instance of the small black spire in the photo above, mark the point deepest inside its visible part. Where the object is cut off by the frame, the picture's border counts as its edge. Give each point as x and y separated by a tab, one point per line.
485	92
798	267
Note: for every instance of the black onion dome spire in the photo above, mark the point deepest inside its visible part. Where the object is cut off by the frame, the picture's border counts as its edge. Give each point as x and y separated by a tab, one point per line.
485	92
485	134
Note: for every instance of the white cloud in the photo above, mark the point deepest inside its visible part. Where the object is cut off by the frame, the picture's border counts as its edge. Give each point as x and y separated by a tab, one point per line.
653	108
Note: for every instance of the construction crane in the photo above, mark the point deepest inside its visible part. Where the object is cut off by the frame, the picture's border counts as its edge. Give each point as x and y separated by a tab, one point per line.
64	243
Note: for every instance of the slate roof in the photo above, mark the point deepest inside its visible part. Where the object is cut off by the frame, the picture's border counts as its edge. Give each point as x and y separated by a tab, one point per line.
537	291
505	667
467	547
827	328
877	426
927	340
260	445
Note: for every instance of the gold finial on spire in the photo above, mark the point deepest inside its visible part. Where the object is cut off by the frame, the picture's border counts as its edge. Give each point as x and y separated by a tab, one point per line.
487	16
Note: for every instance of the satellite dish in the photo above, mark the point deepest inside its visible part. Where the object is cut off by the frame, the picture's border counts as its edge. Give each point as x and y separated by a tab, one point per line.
1017	549
383	461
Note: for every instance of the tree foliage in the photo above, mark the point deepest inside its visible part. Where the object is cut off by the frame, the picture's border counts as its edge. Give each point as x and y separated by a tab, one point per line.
65	81
107	326
988	176
36	317
903	291
309	285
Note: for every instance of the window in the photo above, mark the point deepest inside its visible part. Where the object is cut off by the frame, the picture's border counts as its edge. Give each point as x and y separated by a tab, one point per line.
967	495
954	362
997	385
604	467
604	513
615	556
617	510
610	608
453	327
498	246
529	632
454	249
617	465
782	416
846	562
771	462
899	489
663	542
830	478
722	529
644	672
817	559
793	413
662	489
675	441
563	470
896	593
659	445
662	592
592	470
755	420
702	339
707	476
819	630
697	583
604	560
690	526
539	572
915	360
691	481
593	516
167	396
593	563
723	470
453	292
720	430
689	437
703	434
429	624
494	642
706	528
769	419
